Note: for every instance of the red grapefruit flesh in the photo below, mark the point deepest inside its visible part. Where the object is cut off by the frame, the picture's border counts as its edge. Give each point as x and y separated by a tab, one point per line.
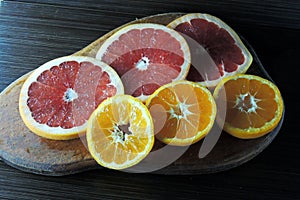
216	50
58	97
146	56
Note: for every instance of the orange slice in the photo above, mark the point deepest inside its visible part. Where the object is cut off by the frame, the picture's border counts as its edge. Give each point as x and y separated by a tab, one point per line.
216	50
183	112
146	56
254	105
120	132
58	97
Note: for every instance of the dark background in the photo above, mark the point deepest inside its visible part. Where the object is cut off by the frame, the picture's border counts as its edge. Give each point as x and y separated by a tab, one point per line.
33	32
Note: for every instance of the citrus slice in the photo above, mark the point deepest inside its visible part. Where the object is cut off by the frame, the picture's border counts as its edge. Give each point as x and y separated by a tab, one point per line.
58	97
120	132
216	50
183	112
253	105
146	56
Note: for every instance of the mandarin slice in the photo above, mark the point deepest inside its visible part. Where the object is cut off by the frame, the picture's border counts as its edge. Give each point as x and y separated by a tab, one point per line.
120	132
254	105
184	111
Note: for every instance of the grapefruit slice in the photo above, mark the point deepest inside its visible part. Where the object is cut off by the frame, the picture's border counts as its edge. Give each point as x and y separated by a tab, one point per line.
217	51
58	97
146	56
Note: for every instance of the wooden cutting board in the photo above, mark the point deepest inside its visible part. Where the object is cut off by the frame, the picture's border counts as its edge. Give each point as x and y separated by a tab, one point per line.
22	149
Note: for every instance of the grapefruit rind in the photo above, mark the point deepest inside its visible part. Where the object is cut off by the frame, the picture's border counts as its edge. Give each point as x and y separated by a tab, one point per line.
200	134
184	47
58	133
210	18
252	133
116	100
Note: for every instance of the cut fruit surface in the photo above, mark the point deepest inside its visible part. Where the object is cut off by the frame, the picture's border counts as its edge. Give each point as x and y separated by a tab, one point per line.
146	56
253	105
183	112
120	132
216	50
58	97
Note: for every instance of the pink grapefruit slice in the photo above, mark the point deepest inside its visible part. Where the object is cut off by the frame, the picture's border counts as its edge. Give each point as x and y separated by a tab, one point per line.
146	56
216	50
58	97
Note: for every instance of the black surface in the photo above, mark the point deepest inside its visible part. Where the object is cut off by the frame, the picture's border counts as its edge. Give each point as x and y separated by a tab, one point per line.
32	33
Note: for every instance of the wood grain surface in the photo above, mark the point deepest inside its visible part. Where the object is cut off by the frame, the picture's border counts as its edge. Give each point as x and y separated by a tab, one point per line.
33	32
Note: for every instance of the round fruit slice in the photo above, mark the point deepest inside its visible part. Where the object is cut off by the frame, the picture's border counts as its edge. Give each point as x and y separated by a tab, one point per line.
58	97
120	132
146	56
217	51
253	105
183	112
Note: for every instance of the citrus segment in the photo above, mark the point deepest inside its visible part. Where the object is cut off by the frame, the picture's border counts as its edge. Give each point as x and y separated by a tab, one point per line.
216	50
254	105
58	97
120	132
146	56
184	110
